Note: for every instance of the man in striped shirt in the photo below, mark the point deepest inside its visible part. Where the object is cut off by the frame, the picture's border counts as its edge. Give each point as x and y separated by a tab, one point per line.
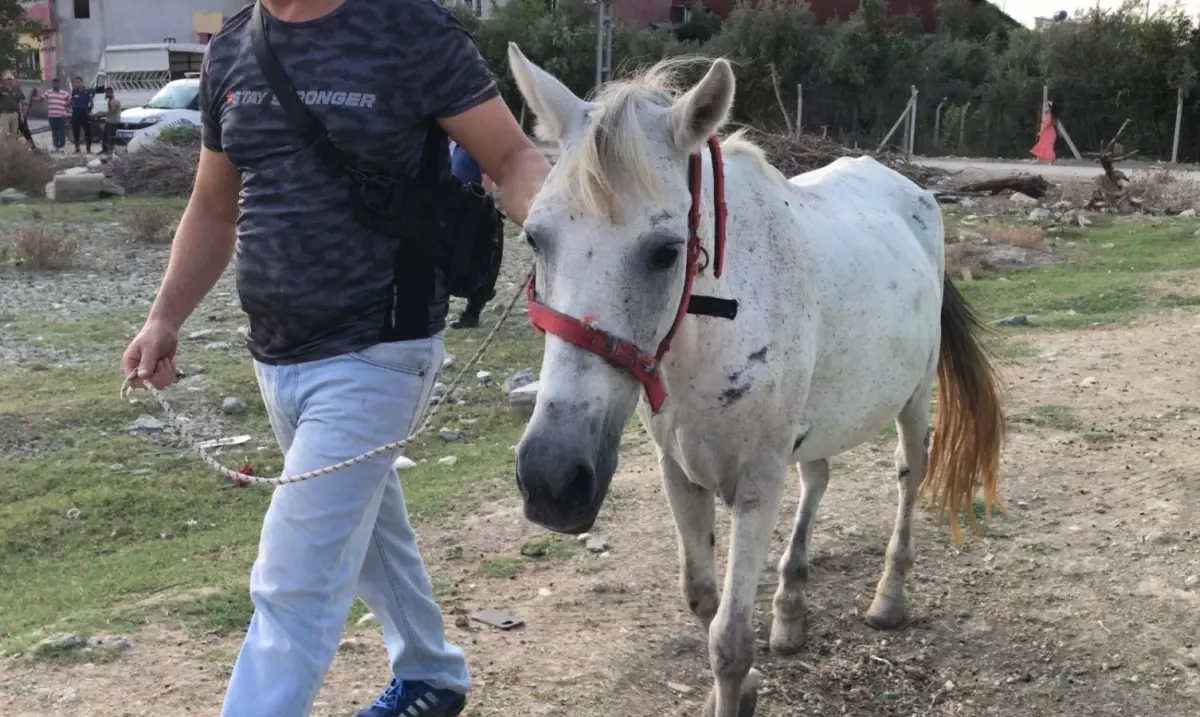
58	109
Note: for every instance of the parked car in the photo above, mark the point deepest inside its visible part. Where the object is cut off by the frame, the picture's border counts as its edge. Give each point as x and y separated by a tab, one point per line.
176	103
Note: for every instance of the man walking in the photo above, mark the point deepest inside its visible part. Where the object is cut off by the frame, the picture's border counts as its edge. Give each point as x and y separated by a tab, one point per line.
468	171
345	323
81	114
58	106
23	115
12	100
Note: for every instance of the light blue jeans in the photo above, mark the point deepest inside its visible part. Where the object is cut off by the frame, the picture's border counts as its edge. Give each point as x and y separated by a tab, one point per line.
325	539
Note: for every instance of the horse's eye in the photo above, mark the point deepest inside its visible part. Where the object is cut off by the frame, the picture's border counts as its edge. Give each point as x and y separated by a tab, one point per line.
529	240
664	257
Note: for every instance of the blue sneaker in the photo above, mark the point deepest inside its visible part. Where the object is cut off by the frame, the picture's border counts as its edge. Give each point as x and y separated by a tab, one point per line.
416	699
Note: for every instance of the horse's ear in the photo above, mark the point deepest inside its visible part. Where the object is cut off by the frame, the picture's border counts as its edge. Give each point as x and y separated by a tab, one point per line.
703	110
558	110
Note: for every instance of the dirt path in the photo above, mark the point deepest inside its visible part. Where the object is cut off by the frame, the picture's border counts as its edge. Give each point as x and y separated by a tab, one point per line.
1077	604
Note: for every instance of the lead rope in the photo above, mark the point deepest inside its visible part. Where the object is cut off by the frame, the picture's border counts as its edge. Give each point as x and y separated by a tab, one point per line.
241	479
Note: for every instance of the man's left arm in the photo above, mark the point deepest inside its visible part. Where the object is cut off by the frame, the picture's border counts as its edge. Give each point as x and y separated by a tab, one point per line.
461	93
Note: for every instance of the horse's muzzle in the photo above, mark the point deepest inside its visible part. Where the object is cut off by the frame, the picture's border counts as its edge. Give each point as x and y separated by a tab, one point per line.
562	499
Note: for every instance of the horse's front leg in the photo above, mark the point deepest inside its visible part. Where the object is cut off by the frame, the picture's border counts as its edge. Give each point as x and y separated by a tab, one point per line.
788	626
694	513
731	640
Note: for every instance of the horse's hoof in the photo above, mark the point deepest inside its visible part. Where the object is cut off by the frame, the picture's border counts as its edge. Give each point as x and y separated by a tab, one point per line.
886	613
788	638
747	700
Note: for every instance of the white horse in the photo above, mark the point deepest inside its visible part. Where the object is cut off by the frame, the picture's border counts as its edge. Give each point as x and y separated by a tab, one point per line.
844	321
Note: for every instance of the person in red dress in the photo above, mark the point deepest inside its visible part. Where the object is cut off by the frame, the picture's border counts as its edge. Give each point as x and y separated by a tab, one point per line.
1044	149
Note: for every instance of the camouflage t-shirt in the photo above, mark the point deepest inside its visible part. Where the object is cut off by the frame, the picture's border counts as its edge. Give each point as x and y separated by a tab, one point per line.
314	282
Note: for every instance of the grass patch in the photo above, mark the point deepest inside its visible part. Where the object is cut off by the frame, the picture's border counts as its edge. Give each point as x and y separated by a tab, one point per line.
1106	280
156	538
504	567
1058	418
107	210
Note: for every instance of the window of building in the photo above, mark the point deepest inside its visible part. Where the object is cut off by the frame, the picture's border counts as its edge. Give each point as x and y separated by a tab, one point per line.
29	64
83	9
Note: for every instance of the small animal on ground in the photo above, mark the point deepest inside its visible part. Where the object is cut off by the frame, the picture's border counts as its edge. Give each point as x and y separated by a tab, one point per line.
845	321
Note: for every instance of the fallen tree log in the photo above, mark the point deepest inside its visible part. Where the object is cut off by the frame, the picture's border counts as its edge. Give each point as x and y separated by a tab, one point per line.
1033	185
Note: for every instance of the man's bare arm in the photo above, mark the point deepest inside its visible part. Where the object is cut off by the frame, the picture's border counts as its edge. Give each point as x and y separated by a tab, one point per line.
204	242
491	135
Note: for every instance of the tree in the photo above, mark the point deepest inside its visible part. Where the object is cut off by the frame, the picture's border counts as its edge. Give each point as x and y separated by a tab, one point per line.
12	25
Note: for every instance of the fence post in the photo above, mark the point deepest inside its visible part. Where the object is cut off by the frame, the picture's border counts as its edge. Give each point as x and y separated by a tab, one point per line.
902	119
1042	113
1178	123
937	124
962	129
912	122
799	108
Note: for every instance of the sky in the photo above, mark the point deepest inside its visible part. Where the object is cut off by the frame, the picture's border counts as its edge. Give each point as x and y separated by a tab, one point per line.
1023	11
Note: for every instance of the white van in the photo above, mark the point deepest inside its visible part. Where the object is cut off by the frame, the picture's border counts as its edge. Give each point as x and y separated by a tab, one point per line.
137	73
176	103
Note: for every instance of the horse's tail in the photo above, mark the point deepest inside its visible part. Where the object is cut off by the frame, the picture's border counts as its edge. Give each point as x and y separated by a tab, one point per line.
969	429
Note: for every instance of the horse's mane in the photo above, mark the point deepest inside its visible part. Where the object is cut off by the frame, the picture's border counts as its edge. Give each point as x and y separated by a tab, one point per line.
613	147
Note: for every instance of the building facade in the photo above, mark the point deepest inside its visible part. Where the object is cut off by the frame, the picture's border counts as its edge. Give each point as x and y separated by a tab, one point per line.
74	33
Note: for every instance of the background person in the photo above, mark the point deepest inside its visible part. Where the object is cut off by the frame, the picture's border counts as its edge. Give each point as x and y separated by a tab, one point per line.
81	114
11	101
58	110
464	166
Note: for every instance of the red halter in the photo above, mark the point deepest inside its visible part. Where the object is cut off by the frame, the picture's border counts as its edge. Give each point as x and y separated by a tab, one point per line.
623	353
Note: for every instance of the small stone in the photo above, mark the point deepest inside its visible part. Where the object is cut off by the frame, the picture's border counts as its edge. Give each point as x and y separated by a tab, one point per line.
596	544
852	531
1159	538
1019	198
368	619
110	643
450	435
949	686
544	592
201	334
352	644
598	586
484	376
13	196
146	422
449	359
1089	381
681	689
1188	213
462	622
143	472
73	514
519	379
1040	214
1015	320
458	395
522	400
583	538
448	461
403	463
216	345
439	390
61	642
69	697
1082	220
1191	581
233	405
1107	245
116	467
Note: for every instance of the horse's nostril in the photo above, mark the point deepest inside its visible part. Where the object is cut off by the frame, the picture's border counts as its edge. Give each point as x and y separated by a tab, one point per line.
580	490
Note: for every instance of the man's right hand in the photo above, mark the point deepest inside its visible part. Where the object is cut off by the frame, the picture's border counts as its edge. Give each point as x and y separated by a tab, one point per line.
152	355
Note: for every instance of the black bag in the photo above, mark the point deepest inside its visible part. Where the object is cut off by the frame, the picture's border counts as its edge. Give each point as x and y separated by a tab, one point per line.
436	215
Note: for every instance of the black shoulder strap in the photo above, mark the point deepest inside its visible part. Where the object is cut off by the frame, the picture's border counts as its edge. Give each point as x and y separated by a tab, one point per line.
315	136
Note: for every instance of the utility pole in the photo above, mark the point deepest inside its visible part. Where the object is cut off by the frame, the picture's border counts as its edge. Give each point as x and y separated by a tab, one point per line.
604	20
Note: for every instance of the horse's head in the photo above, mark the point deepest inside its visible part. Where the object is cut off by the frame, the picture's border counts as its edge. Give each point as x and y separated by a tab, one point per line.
610	230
